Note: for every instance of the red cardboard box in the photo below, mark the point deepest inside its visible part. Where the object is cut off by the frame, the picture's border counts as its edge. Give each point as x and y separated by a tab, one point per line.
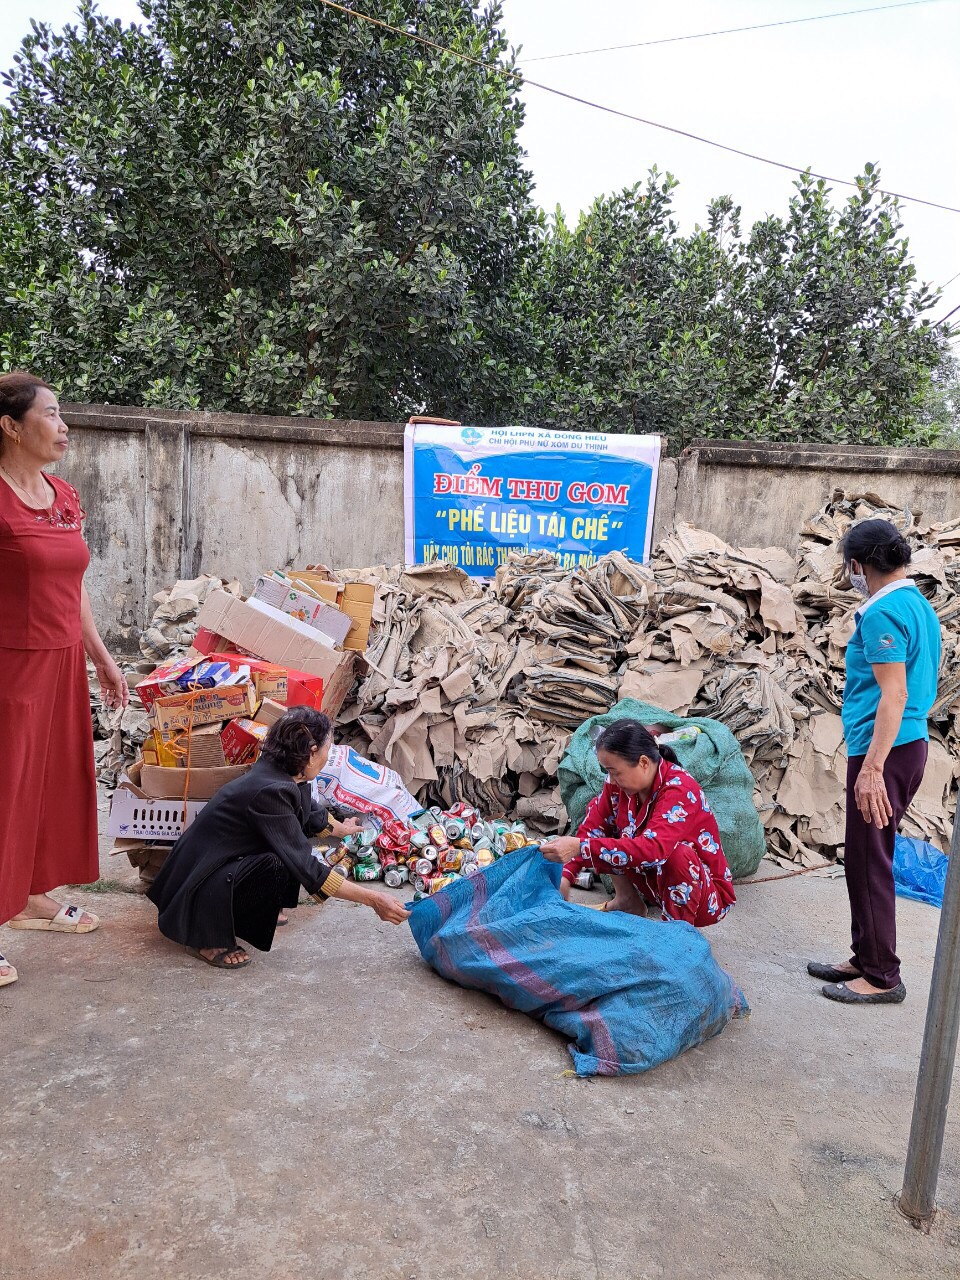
269	679
163	681
303	689
242	739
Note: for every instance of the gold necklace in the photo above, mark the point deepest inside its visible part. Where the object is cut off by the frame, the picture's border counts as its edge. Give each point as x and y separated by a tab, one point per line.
26	492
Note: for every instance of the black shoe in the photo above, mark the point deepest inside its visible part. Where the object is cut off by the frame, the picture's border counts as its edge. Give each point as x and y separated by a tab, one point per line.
843	994
830	973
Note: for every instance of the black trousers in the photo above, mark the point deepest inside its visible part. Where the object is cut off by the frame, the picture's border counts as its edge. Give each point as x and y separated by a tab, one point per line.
243	905
868	863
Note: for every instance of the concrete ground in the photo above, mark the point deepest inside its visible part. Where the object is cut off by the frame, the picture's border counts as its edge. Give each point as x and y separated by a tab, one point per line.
337	1110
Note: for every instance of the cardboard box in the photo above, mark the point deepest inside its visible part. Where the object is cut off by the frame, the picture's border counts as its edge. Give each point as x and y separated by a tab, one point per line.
282	594
268	712
355	599
270	634
269	679
163	681
335	689
206	749
134	817
173	784
201	746
168	752
302	689
241	740
206	706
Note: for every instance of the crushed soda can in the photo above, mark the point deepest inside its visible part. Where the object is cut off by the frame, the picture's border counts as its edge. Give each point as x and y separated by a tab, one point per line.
585	879
424	867
421	884
513	841
367	869
441	882
438	837
449	860
419	840
454	828
342	858
395	876
464	811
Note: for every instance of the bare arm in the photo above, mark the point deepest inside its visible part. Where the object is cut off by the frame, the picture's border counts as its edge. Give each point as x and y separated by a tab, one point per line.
112	684
870	791
386	907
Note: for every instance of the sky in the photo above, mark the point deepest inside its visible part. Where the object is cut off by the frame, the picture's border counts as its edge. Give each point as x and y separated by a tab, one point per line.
881	86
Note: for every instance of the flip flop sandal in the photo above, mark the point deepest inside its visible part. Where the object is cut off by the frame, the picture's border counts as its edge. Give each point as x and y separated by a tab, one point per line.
68	919
11	976
219	960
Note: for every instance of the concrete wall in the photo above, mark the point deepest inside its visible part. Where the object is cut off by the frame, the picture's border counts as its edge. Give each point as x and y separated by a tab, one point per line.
173	494
760	495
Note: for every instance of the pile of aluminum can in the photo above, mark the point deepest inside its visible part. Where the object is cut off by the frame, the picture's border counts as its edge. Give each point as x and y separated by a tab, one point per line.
430	850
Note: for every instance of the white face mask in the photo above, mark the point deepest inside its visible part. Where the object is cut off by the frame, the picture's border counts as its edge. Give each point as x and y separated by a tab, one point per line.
859	583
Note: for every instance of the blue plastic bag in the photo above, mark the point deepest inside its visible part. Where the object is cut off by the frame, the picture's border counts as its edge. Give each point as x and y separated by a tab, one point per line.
919	870
630	993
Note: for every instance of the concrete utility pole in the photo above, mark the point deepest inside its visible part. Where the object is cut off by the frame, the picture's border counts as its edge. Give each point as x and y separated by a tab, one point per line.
917	1200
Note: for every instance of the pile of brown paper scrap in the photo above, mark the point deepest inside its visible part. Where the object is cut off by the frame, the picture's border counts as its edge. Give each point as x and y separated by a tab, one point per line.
474	689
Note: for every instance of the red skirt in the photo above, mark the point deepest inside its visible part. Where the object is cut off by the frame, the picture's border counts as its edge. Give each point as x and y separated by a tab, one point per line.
48	786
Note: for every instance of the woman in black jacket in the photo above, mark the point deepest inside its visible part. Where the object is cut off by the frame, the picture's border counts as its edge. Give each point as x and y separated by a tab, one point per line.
246	854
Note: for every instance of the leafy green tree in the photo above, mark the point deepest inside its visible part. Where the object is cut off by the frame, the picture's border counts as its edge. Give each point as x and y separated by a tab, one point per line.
260	206
940	412
809	327
273	207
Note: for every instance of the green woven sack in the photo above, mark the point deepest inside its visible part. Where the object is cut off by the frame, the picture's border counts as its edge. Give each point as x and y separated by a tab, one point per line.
714	759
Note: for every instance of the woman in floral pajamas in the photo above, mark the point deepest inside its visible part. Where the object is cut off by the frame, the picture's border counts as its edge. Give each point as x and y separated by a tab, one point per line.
651	827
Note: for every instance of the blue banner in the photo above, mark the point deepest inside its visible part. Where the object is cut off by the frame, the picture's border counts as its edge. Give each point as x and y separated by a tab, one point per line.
473	495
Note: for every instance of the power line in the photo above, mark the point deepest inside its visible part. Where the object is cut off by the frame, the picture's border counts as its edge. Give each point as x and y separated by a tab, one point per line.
725	31
624	115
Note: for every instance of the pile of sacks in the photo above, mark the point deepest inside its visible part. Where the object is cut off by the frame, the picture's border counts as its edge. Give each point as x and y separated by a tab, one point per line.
474	689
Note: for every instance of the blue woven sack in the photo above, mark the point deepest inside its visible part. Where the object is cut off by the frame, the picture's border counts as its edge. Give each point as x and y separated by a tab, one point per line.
919	870
630	993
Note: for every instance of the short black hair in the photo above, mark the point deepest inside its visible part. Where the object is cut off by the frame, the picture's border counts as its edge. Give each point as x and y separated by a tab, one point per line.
291	739
629	739
876	543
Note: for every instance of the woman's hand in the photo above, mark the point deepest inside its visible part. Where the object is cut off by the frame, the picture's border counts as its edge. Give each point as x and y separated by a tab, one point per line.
870	793
348	827
387	908
562	849
113	685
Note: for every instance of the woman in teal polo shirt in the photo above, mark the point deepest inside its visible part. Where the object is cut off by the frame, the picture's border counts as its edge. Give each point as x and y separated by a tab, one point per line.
893	659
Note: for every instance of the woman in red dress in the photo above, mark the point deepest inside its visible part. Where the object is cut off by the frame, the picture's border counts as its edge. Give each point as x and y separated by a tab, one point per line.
48	794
